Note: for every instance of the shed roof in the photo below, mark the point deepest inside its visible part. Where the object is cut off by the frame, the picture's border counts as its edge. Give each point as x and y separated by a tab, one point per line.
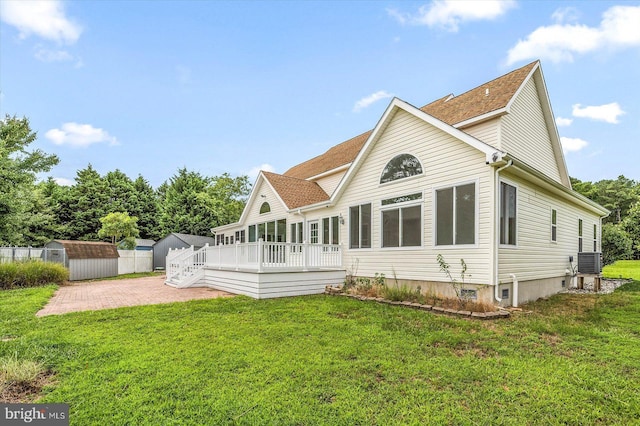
89	249
144	243
194	240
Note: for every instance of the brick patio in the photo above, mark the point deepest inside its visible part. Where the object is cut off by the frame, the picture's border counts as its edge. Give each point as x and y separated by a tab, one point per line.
96	295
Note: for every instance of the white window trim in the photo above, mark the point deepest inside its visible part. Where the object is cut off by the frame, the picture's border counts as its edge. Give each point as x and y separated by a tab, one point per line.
517	187
412	203
348	227
552	225
434	214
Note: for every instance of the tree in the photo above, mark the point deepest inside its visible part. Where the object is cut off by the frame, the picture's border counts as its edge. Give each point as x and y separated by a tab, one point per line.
120	225
616	244
146	209
616	195
18	170
631	225
86	203
193	204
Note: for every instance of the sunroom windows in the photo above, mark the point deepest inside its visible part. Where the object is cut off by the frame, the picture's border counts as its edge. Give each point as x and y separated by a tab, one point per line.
456	215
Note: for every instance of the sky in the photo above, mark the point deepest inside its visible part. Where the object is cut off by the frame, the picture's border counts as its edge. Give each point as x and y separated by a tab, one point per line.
149	87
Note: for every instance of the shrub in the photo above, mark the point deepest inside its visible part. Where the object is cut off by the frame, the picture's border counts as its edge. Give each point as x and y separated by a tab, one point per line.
402	293
616	244
33	273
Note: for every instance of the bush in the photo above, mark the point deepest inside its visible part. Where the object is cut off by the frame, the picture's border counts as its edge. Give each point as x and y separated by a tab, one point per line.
616	244
33	273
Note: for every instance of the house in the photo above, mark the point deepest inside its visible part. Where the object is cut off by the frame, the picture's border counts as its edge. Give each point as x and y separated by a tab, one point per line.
479	176
85	259
176	241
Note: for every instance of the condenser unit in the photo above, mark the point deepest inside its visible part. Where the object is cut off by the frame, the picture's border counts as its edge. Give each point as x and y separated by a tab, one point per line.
589	263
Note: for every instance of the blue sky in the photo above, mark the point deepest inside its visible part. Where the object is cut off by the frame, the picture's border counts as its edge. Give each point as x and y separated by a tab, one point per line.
151	86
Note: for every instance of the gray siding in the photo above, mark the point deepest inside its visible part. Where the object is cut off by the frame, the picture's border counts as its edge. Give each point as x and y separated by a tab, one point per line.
161	249
86	269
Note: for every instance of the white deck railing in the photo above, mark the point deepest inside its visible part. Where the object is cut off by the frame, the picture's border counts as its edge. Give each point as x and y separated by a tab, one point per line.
263	256
184	266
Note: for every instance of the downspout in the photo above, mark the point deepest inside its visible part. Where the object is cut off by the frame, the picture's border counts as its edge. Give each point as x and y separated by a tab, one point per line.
496	241
515	290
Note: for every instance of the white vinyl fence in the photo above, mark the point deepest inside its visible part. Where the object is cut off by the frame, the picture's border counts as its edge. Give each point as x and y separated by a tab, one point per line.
21	254
132	261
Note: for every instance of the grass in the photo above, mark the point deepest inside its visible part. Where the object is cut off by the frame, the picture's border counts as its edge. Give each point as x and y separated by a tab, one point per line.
623	269
570	359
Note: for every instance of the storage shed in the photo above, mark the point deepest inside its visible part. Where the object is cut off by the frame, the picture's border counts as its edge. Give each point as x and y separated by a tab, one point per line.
87	260
176	241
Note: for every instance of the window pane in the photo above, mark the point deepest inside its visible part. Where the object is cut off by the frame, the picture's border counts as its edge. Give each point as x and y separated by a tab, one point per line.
300	233
271	231
354	227
292	232
265	208
444	217
554	233
401	166
465	214
554	216
281	226
365	215
252	234
261	234
325	230
335	230
411	226
507	214
313	232
391	228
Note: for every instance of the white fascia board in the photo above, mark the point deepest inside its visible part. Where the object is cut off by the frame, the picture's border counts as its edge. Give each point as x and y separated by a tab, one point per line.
542	180
479	119
329	172
225	227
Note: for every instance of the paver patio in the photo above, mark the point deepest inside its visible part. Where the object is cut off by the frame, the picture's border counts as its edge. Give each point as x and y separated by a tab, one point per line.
96	295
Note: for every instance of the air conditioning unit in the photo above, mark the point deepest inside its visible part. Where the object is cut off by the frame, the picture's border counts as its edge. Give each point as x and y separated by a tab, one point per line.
589	263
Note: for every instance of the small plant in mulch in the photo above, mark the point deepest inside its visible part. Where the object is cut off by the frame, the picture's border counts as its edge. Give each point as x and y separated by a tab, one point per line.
22	380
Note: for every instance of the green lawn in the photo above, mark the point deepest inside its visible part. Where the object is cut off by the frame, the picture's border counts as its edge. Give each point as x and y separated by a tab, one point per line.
623	269
571	359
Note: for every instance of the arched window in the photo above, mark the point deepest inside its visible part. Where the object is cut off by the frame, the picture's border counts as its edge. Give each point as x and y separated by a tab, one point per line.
265	208
400	167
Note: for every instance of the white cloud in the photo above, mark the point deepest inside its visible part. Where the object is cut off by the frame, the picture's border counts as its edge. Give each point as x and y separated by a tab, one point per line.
253	173
565	14
572	144
64	181
560	42
79	135
608	113
449	14
45	19
563	122
371	99
46	55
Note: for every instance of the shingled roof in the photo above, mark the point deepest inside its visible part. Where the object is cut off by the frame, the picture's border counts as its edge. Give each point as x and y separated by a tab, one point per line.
296	192
450	109
89	250
481	100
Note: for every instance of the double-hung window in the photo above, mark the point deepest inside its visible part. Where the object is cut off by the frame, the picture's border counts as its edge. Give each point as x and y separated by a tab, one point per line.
579	235
297	235
402	221
508	205
456	215
595	238
554	225
360	226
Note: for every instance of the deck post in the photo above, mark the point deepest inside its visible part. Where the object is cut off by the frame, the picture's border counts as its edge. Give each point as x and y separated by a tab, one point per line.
236	255
305	256
260	255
